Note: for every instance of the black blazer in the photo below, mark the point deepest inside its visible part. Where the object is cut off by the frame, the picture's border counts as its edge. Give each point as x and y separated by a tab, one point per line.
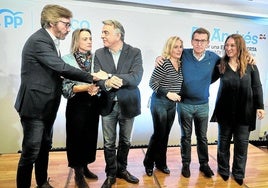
41	77
129	69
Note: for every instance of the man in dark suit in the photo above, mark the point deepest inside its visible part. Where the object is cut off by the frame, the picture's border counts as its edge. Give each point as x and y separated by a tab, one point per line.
39	95
120	98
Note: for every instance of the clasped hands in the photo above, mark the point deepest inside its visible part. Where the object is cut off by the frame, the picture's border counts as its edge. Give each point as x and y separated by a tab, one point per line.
92	89
114	82
101	75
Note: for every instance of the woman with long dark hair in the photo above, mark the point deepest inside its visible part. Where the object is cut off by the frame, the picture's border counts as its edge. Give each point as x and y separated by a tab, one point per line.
239	101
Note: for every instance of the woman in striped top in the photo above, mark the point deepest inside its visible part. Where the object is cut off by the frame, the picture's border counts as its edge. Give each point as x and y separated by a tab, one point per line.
166	82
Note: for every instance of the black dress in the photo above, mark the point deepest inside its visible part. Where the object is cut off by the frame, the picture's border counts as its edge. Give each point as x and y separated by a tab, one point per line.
82	120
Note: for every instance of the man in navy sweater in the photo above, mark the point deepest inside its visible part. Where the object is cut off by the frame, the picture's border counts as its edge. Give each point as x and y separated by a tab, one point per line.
197	68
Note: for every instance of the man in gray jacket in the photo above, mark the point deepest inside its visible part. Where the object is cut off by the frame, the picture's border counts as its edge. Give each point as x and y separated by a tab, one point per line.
39	95
120	98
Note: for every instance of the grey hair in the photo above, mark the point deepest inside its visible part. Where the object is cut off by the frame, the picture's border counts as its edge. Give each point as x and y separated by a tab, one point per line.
117	26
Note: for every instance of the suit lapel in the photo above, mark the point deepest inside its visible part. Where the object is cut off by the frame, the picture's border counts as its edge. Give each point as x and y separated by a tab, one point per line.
50	40
122	58
108	61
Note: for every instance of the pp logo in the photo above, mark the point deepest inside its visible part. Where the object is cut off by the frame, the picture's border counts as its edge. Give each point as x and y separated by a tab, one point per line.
10	18
80	24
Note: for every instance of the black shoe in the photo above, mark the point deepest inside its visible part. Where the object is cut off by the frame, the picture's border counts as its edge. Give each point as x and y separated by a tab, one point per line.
164	170
127	176
79	178
185	171
149	171
239	181
81	182
88	174
108	182
45	185
206	170
224	177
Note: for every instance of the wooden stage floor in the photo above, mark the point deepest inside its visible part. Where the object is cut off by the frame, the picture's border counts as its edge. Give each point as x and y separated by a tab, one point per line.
63	177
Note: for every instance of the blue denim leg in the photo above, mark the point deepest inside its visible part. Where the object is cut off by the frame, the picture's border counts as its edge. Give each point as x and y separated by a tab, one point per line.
124	142
186	132
178	109
163	113
199	115
201	125
109	127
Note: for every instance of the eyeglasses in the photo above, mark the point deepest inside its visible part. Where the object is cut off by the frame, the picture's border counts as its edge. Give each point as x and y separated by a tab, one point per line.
199	41
67	24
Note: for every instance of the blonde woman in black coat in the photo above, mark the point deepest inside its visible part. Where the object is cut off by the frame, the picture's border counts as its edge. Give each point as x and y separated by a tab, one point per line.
82	110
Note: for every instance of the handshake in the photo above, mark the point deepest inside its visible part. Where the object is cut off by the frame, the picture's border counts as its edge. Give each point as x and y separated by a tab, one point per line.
112	82
101	75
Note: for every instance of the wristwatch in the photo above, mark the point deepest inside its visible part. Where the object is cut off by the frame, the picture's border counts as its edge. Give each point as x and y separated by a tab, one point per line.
110	76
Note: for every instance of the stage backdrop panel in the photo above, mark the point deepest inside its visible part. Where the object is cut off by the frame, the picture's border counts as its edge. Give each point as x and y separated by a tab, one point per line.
146	28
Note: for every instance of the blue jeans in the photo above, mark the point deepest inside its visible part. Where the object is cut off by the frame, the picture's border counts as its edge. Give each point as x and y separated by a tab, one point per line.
36	144
163	113
116	162
240	136
199	115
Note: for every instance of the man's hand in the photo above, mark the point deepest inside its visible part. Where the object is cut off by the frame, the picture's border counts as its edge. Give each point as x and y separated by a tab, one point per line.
159	61
114	82
101	75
